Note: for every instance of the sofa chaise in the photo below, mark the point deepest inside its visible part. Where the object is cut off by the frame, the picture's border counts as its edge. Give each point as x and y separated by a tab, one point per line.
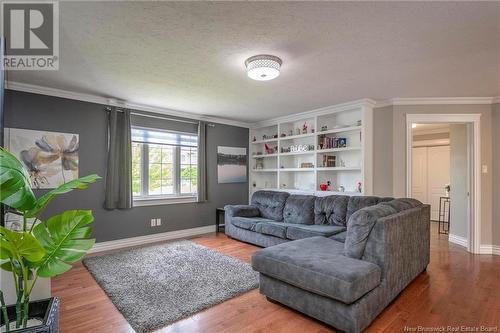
338	259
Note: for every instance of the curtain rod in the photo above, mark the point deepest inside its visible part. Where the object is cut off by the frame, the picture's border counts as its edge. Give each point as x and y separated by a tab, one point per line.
108	108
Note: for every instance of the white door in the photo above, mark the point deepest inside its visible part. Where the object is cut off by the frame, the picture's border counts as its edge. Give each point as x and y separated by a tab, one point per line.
430	174
419	174
438	175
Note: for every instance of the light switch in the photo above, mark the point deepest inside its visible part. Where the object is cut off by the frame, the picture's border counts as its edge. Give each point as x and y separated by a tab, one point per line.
484	168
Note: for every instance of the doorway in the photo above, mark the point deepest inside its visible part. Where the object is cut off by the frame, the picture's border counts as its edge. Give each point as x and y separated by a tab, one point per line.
442	171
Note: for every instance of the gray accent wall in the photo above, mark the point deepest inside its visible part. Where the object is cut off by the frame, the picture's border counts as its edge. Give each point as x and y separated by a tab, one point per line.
40	112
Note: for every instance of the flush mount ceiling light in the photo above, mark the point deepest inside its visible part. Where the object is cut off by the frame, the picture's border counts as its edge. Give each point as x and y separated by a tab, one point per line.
263	67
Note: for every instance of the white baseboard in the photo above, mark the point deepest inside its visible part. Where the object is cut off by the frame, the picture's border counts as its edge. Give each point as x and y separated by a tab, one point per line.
490	249
135	241
459	240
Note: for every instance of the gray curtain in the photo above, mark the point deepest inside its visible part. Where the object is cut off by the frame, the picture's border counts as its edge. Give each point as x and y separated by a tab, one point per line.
202	162
119	167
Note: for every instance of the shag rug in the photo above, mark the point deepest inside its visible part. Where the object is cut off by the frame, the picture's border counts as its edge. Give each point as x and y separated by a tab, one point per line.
157	285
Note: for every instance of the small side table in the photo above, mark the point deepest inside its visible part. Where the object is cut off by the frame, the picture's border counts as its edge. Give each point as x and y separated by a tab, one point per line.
444	215
218	213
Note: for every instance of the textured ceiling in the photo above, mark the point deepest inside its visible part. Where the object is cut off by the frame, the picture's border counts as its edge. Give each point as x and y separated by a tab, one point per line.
189	56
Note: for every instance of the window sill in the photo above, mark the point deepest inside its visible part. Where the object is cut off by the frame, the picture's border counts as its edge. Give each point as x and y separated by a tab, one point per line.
162	201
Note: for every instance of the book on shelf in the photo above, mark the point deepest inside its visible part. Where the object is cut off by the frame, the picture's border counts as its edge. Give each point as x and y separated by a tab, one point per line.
326	142
329	161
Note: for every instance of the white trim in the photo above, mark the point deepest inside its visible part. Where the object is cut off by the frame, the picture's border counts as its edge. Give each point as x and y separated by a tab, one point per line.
371	103
149	201
431	143
153	238
474	234
366	102
31	88
353	105
437	101
417	131
490	249
459	240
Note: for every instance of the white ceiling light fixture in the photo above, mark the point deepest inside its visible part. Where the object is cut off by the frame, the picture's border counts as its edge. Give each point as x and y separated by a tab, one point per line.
263	67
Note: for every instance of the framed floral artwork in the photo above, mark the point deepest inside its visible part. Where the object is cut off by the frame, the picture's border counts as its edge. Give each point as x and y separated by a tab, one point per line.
51	158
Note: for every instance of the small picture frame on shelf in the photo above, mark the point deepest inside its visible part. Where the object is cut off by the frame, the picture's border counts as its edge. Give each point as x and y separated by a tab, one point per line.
342	142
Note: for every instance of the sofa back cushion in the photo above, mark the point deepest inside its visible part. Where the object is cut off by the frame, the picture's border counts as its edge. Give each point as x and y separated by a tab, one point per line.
403	204
331	210
359	227
299	209
357	202
270	204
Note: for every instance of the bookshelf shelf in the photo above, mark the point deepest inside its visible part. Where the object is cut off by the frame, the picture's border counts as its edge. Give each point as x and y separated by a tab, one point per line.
283	171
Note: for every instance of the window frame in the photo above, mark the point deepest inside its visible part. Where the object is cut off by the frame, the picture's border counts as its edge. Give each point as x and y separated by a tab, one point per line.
146	199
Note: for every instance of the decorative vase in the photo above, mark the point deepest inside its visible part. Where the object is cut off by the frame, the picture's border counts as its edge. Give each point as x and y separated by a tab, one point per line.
323	187
45	310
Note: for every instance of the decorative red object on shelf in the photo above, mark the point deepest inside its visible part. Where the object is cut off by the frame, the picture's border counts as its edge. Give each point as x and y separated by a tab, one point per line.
325	186
269	150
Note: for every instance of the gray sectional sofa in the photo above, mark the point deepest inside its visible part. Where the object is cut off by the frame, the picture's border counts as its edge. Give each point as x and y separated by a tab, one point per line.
338	259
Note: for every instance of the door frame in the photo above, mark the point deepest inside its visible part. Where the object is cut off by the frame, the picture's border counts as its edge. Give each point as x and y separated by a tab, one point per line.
474	148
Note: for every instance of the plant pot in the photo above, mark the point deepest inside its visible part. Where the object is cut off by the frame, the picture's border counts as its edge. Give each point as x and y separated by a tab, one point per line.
46	310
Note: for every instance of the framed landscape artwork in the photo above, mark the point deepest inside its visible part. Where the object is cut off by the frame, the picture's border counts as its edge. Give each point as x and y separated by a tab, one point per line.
51	158
231	165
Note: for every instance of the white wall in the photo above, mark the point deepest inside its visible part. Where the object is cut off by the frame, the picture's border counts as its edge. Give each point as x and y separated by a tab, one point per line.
382	152
397	162
458	180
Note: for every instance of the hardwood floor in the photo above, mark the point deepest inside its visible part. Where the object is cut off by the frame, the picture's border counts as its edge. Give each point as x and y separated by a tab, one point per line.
458	289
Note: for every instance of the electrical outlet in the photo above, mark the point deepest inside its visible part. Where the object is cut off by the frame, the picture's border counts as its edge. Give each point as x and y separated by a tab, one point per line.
158	221
153	222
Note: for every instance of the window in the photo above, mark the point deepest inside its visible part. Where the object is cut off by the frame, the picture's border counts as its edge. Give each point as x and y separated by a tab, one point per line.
164	166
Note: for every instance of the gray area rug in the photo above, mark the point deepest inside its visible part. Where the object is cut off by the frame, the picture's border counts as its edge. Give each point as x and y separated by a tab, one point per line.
157	285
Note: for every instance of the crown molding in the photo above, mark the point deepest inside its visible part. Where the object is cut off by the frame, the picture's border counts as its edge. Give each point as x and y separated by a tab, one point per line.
437	101
35	89
357	104
365	102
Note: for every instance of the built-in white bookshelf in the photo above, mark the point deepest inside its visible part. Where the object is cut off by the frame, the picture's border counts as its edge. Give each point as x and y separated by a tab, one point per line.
335	145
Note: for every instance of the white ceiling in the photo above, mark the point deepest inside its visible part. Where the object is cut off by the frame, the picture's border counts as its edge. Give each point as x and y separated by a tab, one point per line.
189	56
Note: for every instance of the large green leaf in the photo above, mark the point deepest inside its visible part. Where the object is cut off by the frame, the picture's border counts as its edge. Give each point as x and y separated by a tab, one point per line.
80	183
15	186
20	245
65	239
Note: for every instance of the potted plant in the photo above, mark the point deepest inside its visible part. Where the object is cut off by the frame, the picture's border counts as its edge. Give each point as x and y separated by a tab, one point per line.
44	249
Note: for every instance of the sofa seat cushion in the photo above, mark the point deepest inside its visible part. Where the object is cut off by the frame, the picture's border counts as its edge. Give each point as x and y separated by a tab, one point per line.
276	229
304	231
340	237
317	265
331	210
299	209
248	223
